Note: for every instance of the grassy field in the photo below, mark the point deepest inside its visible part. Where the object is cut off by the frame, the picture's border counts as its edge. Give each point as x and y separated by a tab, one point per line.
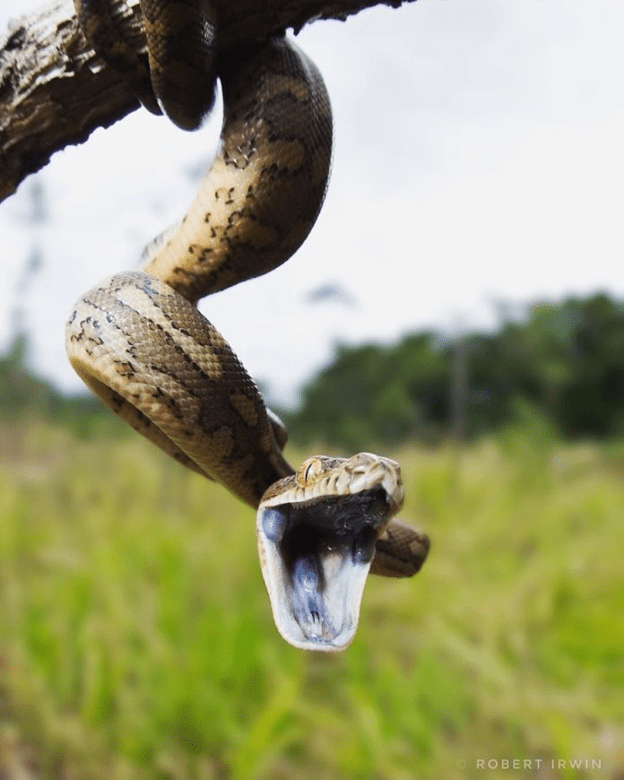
136	639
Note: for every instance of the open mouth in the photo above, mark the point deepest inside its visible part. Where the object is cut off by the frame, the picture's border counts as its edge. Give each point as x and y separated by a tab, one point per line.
316	557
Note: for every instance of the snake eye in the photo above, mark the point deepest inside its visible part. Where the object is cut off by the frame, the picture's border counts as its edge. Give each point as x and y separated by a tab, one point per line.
309	471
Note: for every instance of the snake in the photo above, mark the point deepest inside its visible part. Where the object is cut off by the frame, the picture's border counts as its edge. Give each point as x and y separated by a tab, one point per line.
139	342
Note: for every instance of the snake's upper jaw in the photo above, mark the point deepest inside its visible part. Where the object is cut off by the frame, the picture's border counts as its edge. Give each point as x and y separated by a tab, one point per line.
316	553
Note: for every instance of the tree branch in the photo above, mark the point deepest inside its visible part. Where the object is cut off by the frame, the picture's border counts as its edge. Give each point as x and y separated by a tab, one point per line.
54	90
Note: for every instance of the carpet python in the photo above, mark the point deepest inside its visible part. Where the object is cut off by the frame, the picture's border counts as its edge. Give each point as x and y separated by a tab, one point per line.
139	342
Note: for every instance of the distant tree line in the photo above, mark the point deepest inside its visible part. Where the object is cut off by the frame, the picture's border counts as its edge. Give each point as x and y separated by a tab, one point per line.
564	360
24	395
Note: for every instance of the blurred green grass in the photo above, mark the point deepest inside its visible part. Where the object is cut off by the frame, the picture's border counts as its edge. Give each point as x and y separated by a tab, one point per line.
136	639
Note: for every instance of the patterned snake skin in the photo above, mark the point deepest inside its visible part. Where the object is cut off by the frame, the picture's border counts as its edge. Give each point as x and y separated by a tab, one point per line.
139	342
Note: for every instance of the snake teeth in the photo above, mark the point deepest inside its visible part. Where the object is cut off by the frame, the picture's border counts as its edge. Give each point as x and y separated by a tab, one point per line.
316	533
315	581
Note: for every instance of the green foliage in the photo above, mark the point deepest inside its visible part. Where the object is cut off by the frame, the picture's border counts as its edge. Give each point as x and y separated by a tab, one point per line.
136	639
565	360
23	395
568	359
20	391
376	394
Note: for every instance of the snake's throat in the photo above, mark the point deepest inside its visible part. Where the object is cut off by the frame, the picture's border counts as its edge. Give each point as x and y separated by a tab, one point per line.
316	559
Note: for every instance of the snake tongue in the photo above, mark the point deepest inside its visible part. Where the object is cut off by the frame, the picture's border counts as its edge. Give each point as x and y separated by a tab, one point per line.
316	557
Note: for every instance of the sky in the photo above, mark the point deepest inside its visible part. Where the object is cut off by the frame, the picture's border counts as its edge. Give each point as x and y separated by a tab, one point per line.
478	166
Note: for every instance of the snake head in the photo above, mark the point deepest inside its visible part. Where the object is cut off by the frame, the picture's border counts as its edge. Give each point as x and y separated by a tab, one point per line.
316	539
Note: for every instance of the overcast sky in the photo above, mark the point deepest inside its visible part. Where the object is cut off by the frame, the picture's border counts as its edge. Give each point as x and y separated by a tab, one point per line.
477	161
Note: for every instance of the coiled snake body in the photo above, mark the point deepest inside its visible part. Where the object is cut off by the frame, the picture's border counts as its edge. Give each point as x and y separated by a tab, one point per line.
139	342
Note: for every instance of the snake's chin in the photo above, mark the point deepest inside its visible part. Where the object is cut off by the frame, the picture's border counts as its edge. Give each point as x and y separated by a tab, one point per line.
316	555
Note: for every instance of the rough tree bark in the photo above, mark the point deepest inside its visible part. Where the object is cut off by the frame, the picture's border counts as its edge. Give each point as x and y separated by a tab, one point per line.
54	90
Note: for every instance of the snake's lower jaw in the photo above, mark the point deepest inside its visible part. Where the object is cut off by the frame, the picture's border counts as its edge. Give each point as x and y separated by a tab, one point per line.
315	567
316	597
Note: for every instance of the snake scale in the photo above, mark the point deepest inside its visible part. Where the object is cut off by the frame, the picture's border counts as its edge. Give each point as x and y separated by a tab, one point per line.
139	342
